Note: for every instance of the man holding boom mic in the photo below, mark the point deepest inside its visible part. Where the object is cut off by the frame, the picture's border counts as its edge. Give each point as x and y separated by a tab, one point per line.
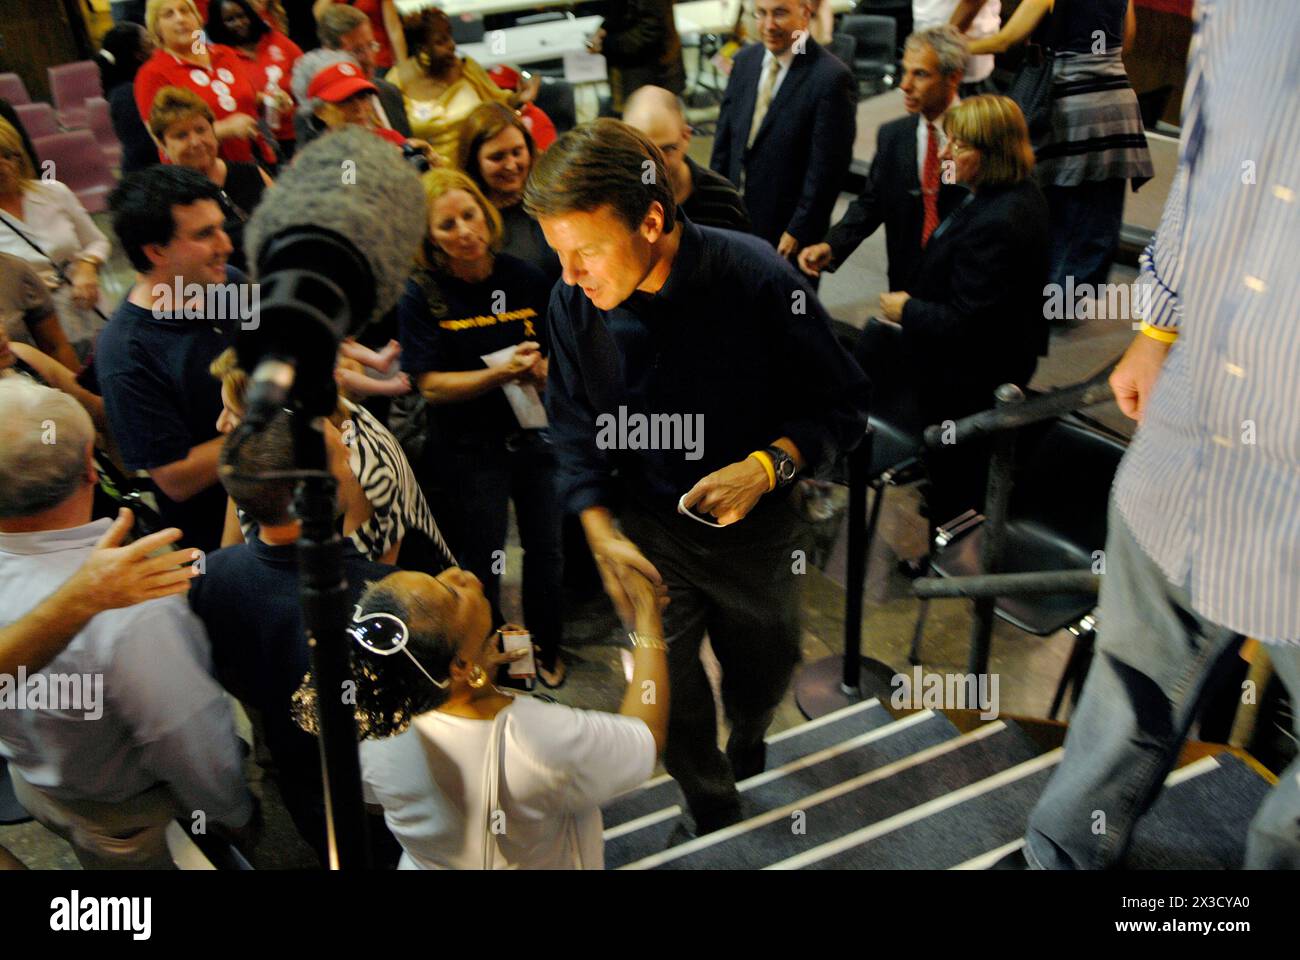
693	377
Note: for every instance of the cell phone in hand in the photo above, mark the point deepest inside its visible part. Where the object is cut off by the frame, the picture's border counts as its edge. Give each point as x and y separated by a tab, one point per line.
525	668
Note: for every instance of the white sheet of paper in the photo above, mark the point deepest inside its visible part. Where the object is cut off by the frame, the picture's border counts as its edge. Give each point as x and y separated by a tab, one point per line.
523	398
583	67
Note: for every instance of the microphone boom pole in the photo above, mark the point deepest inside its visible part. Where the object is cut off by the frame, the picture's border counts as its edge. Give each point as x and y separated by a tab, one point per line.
332	242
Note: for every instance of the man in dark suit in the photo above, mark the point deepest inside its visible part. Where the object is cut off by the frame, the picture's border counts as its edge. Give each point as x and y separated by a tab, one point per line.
895	190
785	131
348	30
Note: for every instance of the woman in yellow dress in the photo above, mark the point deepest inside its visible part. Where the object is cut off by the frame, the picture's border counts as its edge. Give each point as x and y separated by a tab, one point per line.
440	88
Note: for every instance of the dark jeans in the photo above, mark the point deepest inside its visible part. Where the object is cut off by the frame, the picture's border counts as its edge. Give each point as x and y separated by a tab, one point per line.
737	584
1085	222
469	487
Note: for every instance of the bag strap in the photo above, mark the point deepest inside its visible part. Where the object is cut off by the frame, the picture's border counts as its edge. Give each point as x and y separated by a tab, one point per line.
64	279
492	788
4	218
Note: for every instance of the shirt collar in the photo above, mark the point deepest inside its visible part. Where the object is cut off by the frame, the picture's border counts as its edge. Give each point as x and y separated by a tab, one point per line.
54	541
784	59
687	265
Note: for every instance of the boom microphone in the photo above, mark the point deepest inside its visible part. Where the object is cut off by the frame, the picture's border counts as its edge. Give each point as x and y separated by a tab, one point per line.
332	244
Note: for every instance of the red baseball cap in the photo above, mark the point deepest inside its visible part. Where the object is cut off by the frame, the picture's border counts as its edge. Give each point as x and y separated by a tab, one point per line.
507	78
337	83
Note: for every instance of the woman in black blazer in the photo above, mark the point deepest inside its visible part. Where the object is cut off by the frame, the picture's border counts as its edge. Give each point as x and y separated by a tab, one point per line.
972	317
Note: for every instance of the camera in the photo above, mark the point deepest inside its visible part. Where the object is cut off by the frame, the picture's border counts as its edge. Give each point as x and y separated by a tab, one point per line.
413	156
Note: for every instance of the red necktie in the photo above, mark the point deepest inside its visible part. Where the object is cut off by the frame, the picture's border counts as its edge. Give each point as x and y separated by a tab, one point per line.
930	184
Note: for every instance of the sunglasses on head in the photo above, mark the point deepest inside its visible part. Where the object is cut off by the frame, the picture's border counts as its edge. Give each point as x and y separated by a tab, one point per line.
384	634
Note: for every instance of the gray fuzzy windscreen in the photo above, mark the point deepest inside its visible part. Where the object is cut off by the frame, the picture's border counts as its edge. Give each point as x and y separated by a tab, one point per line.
358	185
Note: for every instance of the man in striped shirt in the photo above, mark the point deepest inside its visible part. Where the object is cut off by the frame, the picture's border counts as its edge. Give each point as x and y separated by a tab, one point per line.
1204	543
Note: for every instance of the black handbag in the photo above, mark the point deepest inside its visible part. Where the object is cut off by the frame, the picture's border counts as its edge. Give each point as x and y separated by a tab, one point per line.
1032	91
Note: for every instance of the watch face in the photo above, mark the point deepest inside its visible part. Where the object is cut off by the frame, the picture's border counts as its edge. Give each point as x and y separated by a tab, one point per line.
786	469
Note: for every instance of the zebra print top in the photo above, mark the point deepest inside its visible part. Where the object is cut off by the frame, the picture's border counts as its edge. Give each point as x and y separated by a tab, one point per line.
397	503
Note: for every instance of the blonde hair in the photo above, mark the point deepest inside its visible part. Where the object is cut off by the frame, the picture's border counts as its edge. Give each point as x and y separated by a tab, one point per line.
233	377
174	104
10	140
995	126
439	182
154	7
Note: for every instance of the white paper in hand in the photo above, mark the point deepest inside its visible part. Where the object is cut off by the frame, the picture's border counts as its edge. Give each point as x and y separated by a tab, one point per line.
523	398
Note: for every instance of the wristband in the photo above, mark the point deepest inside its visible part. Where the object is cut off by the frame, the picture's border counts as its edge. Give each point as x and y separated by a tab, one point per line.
1158	333
765	461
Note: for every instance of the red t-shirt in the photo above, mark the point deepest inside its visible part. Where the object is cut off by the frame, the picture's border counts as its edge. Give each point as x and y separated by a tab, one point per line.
539	125
276	55
225	87
392	136
374	9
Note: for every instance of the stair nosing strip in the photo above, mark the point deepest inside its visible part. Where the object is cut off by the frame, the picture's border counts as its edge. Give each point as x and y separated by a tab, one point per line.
984	860
776	773
903	818
821	796
821	721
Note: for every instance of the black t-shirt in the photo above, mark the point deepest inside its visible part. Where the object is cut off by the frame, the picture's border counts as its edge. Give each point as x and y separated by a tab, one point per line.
239	198
248	600
448	325
161	400
524	239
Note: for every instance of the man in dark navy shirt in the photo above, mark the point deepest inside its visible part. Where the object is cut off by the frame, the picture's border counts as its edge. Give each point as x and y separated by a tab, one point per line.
152	359
248	601
692	372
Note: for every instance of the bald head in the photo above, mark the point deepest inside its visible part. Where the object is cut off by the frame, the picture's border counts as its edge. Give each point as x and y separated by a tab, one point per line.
658	113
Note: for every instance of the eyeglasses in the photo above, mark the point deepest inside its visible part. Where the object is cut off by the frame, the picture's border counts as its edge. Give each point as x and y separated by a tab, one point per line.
956	146
384	634
777	16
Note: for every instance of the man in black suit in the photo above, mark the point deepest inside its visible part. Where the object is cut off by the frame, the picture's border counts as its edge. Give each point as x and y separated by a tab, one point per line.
785	131
894	192
347	29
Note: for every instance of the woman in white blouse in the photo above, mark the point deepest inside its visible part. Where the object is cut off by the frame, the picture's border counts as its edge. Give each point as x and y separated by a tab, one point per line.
44	223
474	777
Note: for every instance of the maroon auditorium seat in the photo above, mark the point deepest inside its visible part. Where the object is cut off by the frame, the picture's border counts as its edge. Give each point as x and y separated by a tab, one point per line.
37	119
13	89
101	128
80	165
71	85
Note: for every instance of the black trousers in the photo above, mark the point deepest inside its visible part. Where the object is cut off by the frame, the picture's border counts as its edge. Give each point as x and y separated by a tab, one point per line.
470	486
737	584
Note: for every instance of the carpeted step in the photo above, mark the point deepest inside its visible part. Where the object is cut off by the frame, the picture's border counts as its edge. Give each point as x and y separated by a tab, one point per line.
944	832
870	797
661	792
1201	820
779	785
